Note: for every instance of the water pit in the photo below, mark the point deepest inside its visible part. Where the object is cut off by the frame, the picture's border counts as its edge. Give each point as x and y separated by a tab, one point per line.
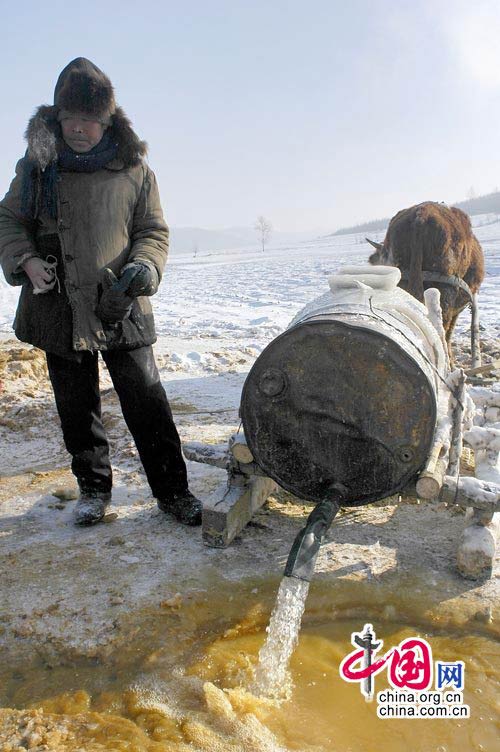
180	679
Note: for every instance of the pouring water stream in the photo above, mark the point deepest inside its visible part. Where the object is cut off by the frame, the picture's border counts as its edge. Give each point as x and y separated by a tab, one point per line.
271	674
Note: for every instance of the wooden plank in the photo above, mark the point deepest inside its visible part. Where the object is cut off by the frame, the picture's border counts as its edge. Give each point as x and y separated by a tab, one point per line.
493	366
209	454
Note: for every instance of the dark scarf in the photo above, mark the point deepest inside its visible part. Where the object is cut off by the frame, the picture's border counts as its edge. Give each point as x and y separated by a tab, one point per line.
38	191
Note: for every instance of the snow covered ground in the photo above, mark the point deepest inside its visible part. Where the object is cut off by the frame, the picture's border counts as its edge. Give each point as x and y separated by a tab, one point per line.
250	296
245	297
214	313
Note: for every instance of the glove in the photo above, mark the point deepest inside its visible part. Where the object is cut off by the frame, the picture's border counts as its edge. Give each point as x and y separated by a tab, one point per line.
114	305
142	279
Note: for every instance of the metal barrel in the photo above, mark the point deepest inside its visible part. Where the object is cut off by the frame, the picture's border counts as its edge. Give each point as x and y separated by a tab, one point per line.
347	394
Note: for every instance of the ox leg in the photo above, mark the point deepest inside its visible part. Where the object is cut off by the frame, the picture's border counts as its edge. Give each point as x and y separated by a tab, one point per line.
475	341
449	332
449	325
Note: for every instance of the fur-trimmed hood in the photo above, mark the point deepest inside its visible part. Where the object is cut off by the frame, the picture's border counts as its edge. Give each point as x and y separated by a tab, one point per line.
44	137
81	87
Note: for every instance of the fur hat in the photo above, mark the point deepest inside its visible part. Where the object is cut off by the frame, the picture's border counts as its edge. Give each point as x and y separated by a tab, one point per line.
82	87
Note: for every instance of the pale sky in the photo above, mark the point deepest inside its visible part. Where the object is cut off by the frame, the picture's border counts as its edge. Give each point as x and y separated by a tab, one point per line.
316	114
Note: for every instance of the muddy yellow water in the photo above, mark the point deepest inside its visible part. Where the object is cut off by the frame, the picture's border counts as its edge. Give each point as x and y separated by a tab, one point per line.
181	684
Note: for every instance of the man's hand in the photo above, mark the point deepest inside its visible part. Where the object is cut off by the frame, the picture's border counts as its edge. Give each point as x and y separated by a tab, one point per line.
114	305
140	278
41	274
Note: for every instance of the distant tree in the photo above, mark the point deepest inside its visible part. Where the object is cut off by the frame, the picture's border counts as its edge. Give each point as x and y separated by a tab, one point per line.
264	229
471	193
195	249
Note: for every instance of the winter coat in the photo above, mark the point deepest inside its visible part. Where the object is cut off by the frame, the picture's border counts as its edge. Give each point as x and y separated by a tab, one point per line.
105	218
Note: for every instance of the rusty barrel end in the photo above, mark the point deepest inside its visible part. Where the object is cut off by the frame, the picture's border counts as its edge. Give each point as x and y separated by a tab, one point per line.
330	402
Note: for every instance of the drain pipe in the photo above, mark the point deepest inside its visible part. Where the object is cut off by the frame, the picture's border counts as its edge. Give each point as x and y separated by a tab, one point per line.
302	557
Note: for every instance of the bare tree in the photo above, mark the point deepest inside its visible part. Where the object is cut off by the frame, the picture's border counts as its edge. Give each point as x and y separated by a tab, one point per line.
264	229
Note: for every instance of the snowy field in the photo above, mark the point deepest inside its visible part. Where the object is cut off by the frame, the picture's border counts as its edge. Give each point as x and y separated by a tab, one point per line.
243	298
214	314
248	297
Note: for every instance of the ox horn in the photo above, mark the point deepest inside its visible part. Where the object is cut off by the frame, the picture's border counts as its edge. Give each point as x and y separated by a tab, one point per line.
376	245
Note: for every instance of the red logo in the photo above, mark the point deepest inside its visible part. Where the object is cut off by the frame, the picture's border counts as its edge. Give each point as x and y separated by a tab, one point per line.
409	664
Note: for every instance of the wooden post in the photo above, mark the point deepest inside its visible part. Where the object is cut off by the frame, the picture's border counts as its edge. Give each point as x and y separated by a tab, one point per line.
478	542
224	518
457	431
431	478
432	298
245	490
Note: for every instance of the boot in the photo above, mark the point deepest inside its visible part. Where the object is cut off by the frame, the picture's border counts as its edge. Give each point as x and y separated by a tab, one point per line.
91	507
185	507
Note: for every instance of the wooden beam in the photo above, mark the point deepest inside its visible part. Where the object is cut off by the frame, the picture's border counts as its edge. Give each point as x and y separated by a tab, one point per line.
223	519
239	449
210	454
493	366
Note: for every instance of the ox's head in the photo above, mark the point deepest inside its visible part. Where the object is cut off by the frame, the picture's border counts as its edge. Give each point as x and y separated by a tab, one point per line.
379	257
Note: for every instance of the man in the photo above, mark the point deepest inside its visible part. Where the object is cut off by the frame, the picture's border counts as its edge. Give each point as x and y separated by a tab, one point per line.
82	230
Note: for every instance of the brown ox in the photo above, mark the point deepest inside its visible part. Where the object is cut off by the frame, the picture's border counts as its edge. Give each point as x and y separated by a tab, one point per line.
432	237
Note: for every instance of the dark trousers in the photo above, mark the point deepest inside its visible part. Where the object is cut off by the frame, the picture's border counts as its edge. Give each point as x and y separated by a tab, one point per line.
145	409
